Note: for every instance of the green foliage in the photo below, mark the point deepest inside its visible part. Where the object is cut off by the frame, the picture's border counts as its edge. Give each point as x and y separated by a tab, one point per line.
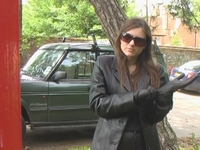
196	146
176	41
49	18
187	11
129	7
58	18
83	20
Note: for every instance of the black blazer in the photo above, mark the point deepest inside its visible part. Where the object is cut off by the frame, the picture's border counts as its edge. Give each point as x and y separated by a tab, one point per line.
111	104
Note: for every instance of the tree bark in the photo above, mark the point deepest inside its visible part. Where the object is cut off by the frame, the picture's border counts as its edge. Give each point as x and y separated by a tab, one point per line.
112	17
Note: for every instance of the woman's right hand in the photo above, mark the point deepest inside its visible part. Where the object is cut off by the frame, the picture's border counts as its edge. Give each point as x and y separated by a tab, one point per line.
145	96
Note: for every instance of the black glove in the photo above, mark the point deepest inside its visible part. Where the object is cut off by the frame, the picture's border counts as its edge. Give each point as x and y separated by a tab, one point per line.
176	84
165	93
145	96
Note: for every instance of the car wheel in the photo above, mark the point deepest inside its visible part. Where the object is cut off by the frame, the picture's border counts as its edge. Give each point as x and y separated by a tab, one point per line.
23	128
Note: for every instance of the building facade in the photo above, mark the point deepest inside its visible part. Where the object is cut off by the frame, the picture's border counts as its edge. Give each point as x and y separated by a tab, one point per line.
169	31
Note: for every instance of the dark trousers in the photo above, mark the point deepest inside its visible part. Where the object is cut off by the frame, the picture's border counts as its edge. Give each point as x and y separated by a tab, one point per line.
131	141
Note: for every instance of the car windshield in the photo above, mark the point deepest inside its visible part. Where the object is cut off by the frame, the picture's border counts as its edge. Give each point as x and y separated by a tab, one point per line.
41	63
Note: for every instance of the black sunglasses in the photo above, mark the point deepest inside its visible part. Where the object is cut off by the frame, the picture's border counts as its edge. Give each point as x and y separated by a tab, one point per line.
126	37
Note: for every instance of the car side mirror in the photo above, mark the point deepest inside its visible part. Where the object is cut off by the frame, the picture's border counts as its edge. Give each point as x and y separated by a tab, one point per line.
59	75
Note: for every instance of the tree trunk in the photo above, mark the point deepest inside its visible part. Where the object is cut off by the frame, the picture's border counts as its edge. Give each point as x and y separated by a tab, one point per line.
112	17
167	135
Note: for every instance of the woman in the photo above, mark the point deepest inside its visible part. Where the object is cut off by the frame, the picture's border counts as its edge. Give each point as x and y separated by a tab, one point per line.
126	95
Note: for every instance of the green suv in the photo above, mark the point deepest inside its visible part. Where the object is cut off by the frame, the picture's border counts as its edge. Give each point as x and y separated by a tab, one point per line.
55	85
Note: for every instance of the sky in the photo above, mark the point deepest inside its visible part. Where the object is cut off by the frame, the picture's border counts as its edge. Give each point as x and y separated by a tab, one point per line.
142	3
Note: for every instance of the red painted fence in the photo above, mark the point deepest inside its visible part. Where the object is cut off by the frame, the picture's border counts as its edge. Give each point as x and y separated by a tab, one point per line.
10	110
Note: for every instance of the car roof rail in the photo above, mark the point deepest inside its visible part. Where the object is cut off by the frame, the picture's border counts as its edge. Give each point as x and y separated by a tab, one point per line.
64	39
95	46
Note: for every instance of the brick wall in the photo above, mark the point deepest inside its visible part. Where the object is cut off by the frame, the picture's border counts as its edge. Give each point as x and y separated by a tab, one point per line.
167	27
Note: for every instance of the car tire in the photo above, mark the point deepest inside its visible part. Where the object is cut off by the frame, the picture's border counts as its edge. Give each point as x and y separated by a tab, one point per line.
23	128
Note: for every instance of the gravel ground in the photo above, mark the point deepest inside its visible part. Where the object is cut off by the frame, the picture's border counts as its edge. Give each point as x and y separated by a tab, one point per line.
185	118
185	115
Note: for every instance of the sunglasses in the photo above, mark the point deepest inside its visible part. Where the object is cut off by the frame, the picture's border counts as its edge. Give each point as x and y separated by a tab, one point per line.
126	37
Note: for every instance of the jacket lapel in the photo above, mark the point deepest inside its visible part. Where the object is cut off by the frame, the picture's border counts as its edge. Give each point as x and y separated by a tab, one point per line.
116	73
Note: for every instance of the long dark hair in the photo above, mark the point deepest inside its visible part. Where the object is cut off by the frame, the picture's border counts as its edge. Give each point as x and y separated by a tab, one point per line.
144	63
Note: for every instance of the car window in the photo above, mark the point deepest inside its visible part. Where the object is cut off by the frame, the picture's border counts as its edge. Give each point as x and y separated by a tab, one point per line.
78	64
41	63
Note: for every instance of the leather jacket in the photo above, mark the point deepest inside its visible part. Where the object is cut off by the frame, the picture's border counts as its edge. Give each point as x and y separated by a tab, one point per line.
111	103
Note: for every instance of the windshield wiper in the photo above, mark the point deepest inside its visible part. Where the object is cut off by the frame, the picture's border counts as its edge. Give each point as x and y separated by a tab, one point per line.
24	72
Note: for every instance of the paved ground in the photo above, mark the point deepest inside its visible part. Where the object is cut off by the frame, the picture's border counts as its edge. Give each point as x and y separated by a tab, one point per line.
185	115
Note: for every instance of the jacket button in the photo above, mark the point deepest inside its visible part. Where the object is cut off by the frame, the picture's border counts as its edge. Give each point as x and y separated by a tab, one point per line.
145	128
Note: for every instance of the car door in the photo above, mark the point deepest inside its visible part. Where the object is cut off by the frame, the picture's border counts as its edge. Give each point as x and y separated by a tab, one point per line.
69	98
34	96
34	87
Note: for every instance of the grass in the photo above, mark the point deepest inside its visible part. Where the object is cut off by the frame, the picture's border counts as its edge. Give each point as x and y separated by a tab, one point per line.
190	143
196	145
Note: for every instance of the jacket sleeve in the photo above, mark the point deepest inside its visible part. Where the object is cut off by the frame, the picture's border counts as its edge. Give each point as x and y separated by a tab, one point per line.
163	103
103	104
